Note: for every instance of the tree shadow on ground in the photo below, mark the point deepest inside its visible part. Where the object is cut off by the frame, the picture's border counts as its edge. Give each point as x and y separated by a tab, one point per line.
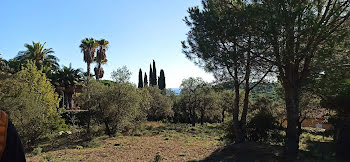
320	151
248	151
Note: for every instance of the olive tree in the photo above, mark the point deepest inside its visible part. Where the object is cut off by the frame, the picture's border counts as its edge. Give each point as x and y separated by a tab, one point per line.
117	106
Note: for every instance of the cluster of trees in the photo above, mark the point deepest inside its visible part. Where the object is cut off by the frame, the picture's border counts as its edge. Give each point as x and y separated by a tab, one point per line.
246	41
121	106
88	47
32	83
143	82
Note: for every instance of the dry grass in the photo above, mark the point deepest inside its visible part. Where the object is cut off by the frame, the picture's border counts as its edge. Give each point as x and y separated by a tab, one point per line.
171	146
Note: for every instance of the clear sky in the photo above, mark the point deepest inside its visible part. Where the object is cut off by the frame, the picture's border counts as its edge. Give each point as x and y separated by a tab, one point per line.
138	31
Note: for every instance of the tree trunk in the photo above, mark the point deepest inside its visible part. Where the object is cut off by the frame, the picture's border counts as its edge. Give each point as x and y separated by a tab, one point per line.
246	101
193	116
236	123
243	122
108	130
202	116
98	72
342	139
292	94
88	72
65	99
88	89
69	101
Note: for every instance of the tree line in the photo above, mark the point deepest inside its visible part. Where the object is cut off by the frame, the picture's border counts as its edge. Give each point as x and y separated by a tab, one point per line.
143	81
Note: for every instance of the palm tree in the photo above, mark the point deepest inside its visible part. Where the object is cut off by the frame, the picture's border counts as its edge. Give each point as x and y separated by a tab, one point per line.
88	47
66	80
40	55
101	57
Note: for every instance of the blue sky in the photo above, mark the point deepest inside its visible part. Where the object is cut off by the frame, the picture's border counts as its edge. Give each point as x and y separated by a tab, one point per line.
138	31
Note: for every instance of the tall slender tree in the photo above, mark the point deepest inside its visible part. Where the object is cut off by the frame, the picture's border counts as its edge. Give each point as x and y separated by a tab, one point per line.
161	80
88	47
154	74
100	58
150	75
140	79
145	81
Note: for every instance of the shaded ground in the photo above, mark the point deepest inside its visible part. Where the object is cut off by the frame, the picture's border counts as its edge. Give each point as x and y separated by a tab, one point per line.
245	152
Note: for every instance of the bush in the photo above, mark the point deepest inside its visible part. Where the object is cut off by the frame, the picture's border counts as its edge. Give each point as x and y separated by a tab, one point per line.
75	117
117	106
262	126
32	104
160	105
37	151
229	135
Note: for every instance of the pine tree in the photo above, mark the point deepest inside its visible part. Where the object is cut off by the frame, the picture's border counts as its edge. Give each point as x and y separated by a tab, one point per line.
161	80
154	75
140	79
145	81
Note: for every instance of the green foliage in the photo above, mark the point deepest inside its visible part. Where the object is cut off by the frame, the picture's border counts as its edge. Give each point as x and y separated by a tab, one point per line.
41	56
32	104
76	117
140	85
161	80
145	81
65	81
37	151
160	105
100	58
154	74
117	106
198	103
122	75
262	126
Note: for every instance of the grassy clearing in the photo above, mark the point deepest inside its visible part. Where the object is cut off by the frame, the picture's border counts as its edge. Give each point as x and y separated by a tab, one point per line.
170	142
174	142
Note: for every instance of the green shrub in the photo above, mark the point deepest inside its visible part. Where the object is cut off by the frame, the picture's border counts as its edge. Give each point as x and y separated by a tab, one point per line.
92	144
262	126
229	135
76	117
32	104
37	151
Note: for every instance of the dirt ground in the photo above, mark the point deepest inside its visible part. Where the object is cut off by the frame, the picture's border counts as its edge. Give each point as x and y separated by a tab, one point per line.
131	148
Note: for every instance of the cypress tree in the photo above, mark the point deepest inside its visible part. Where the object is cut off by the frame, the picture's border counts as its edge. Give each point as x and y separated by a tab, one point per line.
150	75
161	80
145	81
154	79
140	79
